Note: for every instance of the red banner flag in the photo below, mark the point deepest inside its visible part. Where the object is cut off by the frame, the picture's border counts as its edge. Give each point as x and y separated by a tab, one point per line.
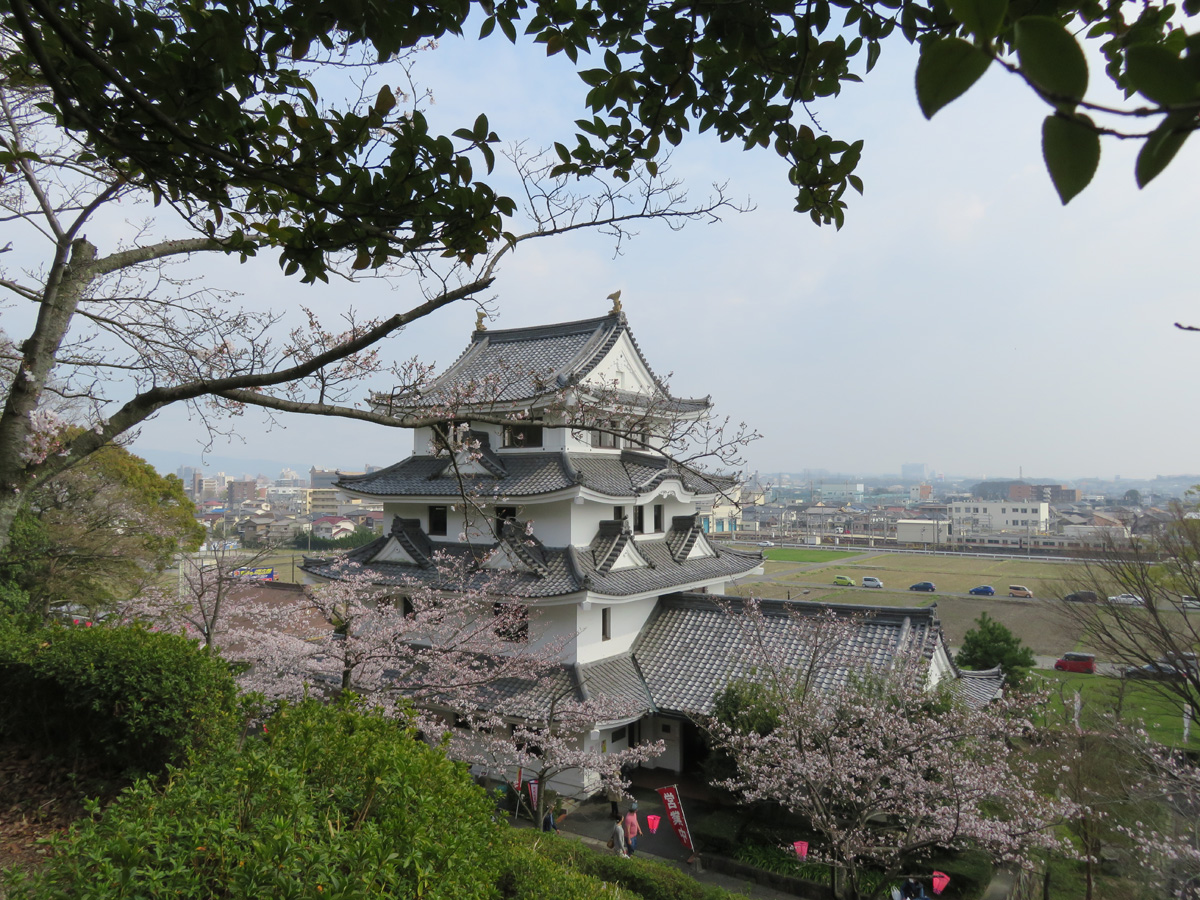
533	789
801	848
653	820
674	811
518	779
940	880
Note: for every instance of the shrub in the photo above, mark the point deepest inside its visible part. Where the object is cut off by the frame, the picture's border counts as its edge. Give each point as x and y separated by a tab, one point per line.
648	879
122	697
327	802
530	875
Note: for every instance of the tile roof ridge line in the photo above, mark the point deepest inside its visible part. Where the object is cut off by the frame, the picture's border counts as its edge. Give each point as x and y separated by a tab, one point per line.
654	616
586	359
572	472
578	578
653	375
550	329
642	675
577	670
479	342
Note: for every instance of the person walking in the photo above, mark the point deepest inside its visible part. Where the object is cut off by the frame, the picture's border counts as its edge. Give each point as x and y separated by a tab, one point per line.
614	797
616	840
632	828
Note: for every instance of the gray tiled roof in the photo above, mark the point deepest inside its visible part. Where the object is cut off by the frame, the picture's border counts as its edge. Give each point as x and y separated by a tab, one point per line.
519	364
978	689
529	473
550	571
616	680
692	648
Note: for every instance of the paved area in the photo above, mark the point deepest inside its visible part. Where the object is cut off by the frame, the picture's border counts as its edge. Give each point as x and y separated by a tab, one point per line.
591	822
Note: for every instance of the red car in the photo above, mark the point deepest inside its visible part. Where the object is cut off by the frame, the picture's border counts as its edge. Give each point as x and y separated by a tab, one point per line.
1077	662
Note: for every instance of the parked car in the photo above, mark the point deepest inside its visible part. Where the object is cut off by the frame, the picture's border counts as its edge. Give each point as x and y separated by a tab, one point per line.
843	580
1127	600
1159	670
927	586
1019	590
1076	662
1187	601
984	590
871	581
766	543
1082	597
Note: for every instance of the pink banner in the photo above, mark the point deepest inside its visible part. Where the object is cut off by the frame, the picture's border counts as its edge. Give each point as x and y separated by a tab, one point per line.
652	821
801	848
940	880
674	811
533	789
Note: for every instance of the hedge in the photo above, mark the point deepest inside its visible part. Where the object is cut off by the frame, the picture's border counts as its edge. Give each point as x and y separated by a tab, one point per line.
125	698
328	802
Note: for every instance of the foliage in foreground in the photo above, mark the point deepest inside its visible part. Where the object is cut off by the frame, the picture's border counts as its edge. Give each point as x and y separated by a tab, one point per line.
122	697
326	802
647	879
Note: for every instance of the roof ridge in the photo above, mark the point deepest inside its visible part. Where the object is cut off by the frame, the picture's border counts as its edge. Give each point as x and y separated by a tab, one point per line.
551	330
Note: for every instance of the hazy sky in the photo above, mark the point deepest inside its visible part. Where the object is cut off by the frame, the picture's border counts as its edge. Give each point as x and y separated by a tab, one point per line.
962	317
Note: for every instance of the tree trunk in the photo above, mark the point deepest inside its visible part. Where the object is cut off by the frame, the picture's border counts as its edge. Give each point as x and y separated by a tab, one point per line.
65	284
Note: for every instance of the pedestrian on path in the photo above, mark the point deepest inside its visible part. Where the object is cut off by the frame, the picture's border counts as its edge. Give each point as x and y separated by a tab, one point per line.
616	840
631	828
614	797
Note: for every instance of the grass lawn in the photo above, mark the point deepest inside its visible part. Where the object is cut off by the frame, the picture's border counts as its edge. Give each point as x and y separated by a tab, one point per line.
801	554
1140	702
1036	622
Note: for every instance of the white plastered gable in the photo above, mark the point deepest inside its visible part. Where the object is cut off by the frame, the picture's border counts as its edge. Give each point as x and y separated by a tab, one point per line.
504	559
393	551
630	558
702	549
467	464
623	367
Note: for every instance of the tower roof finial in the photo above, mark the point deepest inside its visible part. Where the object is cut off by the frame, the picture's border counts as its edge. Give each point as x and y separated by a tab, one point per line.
615	297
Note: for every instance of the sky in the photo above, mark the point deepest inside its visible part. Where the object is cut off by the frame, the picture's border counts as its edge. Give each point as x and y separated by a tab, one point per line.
962	318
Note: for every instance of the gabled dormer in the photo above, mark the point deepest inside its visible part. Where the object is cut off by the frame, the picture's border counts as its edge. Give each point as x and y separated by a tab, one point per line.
406	544
686	539
613	549
519	551
476	458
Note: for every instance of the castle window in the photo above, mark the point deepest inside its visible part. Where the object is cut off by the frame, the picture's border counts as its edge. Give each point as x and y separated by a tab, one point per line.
658	517
639	519
619	513
606	439
522	435
606	624
441	434
505	514
437	520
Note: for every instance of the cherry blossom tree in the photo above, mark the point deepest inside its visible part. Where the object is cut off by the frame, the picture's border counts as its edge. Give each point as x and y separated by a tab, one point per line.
1131	799
455	652
885	770
538	728
121	335
210	589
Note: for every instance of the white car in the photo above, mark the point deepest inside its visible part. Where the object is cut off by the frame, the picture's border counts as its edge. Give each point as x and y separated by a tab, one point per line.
871	581
766	543
1127	600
